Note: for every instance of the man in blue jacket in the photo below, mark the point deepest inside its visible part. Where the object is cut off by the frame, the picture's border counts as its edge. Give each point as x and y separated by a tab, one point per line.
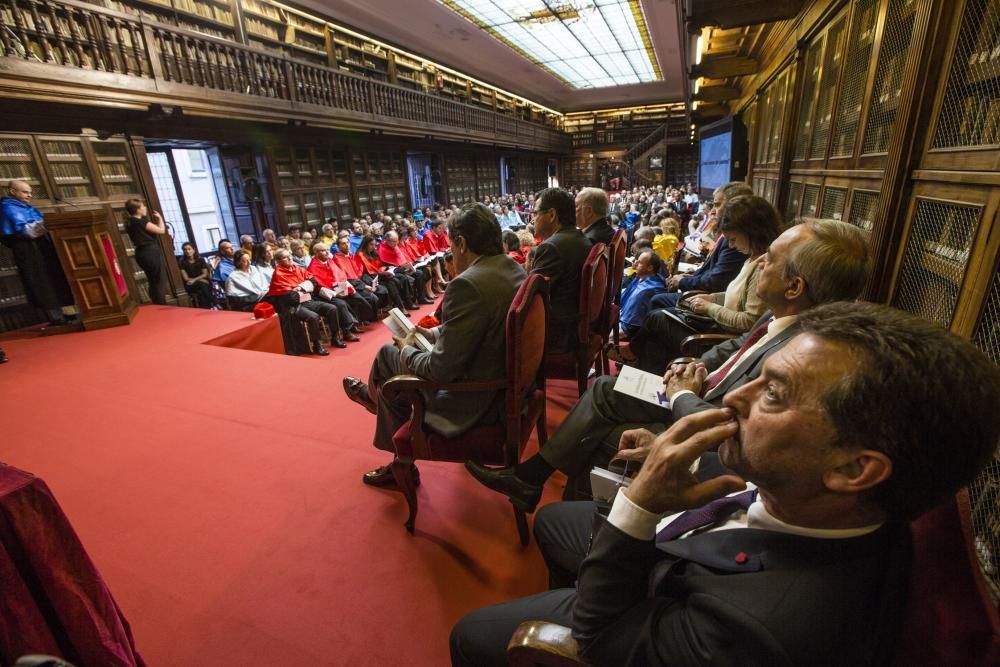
22	229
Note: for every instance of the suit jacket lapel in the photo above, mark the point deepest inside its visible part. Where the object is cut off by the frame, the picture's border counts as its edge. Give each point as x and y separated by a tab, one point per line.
748	363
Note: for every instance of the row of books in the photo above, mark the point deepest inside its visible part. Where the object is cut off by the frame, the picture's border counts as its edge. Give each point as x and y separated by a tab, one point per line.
210	11
978	121
258	27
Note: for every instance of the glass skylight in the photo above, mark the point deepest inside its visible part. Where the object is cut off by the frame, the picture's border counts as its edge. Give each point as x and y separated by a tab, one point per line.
586	43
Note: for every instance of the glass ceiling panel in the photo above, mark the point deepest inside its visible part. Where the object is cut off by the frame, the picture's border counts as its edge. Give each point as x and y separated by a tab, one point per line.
585	43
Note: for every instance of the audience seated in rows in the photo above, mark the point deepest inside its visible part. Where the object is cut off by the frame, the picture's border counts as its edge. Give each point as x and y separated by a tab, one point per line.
865	419
467	345
392	256
719	268
292	290
808	265
330	277
750	224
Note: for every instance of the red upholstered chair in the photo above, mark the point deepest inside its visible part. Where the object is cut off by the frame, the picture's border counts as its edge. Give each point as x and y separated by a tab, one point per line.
524	404
616	272
592	334
950	618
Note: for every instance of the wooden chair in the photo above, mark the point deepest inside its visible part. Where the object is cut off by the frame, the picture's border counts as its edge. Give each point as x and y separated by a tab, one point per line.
524	404
576	364
950	618
616	272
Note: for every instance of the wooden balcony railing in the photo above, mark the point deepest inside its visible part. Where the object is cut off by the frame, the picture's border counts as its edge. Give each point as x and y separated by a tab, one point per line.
627	134
62	45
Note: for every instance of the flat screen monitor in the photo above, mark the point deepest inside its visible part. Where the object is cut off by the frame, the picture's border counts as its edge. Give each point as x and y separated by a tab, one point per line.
716	160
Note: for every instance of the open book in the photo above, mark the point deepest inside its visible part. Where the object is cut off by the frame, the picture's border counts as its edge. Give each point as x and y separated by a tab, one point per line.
401	326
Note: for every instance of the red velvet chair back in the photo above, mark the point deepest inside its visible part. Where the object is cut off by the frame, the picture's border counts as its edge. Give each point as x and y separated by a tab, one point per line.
950	617
616	266
525	350
593	290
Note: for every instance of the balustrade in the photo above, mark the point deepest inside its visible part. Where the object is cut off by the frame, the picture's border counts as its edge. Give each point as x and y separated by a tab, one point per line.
73	34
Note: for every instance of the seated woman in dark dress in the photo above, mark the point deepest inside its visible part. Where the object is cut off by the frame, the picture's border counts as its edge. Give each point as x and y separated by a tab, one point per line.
197	276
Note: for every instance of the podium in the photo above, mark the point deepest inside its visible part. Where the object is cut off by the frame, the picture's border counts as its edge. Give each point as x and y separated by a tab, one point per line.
86	250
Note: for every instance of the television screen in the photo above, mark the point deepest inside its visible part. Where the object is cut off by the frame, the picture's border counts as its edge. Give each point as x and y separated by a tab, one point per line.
716	160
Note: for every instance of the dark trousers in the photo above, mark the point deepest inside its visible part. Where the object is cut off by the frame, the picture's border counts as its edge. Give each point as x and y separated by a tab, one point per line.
562	531
344	314
599	411
407	284
375	300
361	307
392	285
201	293
659	340
391	415
150	260
310	312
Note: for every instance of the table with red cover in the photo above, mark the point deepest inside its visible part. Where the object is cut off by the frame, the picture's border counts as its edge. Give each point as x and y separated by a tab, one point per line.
52	598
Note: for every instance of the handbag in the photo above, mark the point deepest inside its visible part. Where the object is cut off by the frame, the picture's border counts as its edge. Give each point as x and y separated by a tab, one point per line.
696	321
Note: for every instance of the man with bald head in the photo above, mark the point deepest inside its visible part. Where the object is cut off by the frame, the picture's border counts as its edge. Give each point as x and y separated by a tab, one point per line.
592	215
22	229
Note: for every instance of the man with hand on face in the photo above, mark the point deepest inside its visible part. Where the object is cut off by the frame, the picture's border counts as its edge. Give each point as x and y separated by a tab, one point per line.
817	262
469	344
868	418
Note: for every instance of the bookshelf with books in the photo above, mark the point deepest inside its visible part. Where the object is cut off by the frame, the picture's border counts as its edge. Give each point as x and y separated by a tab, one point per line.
952	220
209	17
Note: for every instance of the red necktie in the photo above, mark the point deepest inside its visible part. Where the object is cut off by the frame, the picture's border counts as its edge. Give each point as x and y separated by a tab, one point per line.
720	374
703	516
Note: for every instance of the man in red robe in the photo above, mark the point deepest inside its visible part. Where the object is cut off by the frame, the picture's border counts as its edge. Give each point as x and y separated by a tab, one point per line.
363	304
298	285
393	256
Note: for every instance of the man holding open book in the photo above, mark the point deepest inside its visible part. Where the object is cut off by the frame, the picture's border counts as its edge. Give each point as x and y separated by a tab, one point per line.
468	345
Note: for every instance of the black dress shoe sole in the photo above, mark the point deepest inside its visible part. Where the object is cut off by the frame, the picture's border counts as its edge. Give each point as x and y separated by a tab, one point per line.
338	344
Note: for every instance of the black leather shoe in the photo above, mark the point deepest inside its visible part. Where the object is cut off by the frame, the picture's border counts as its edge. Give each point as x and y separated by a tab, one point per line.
357	391
522	495
348	336
357	328
337	343
3	357
412	306
382	476
426	301
321	351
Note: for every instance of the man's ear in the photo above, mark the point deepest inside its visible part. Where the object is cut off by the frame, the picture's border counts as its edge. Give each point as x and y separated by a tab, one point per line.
795	288
860	470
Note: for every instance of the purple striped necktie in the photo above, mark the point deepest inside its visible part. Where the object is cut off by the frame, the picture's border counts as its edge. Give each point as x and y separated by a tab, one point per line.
706	515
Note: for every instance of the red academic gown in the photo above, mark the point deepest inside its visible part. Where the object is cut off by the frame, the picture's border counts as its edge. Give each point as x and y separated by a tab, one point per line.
328	273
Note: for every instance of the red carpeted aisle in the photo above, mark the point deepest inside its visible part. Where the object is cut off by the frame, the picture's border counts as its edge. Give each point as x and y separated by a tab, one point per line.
218	492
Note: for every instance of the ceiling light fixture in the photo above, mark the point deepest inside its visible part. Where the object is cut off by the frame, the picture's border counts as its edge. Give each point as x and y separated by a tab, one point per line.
584	43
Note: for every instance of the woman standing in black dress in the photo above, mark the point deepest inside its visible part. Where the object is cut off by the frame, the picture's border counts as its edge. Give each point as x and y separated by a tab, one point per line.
147	247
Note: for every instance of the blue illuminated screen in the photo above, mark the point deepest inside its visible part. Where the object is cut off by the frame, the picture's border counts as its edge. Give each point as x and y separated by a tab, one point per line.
716	160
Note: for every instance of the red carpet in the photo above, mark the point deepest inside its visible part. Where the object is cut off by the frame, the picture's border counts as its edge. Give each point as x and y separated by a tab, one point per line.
233	528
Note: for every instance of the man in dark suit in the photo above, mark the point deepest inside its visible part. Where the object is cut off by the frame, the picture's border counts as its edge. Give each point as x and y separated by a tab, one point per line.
718	270
592	215
866	419
468	344
560	258
808	265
